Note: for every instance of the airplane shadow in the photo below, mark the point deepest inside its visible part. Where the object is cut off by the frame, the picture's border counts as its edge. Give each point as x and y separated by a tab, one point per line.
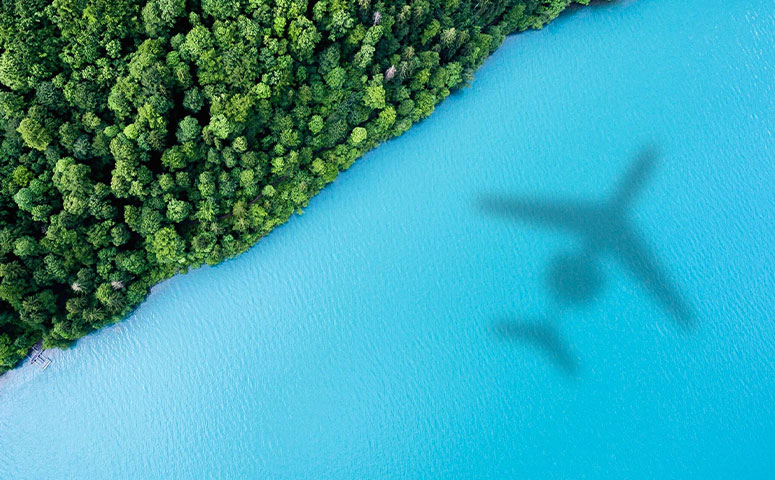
574	278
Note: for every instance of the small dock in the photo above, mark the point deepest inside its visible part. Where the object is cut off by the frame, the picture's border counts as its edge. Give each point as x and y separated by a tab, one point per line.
38	358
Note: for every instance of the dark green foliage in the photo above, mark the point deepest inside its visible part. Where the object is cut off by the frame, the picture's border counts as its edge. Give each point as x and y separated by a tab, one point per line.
143	138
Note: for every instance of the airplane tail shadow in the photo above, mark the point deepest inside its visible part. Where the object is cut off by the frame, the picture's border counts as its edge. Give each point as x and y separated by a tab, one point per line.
543	336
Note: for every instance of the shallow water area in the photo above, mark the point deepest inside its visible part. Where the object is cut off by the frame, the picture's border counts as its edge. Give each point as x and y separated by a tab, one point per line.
426	319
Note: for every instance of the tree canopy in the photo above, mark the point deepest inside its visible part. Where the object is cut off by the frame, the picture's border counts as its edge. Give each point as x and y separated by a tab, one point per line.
144	138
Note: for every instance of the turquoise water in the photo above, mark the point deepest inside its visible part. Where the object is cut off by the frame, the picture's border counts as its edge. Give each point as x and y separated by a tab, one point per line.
383	333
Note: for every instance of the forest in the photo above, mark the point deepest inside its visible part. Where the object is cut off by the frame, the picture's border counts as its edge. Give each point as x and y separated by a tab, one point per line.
141	139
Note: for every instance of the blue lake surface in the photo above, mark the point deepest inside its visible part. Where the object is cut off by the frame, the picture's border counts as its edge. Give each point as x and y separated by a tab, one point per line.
382	333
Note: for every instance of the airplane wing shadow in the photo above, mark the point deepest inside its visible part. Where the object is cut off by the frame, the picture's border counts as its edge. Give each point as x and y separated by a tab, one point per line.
559	214
638	258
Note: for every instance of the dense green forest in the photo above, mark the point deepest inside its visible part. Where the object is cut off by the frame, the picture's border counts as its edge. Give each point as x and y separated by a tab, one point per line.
144	138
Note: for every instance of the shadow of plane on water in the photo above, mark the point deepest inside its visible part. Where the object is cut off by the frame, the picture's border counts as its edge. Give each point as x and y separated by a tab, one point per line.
605	228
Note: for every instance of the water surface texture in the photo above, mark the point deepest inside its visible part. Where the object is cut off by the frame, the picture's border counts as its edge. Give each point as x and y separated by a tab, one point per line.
437	314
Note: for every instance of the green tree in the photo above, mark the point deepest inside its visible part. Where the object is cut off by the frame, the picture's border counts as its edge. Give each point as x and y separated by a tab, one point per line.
34	129
358	135
167	246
